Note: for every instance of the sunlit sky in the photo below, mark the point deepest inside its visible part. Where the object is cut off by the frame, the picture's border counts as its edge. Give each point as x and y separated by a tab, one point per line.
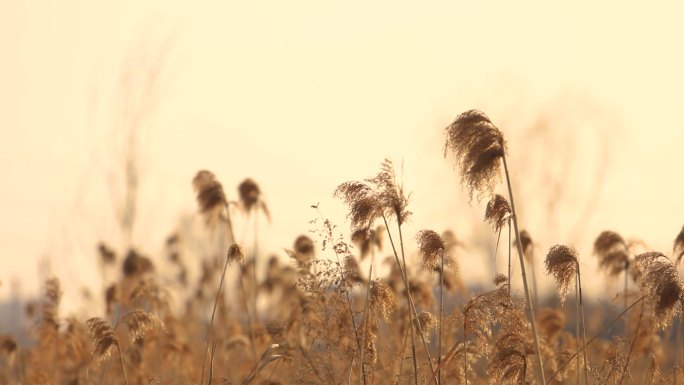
303	95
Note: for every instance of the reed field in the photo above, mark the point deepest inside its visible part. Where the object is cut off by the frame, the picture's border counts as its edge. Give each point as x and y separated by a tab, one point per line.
361	301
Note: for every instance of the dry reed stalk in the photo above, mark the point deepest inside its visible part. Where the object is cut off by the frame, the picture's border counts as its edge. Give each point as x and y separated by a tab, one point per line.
386	198
213	204
498	214
594	337
562	262
431	247
478	147
251	201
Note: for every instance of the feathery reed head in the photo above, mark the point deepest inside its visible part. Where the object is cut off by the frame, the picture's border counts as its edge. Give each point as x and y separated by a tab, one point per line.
561	262
365	239
477	145
249	193
678	248
431	248
139	322
391	193
379	196
612	251
661	283
427	322
382	298
136	264
527	245
499	279
103	336
364	206
508	364
498	211
551	322
210	196
235	253
107	255
304	245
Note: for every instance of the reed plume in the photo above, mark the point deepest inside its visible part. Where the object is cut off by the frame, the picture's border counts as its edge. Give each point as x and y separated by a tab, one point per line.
210	196
612	251
562	262
479	149
660	282
678	248
383	197
479	315
478	146
498	211
104	338
508	364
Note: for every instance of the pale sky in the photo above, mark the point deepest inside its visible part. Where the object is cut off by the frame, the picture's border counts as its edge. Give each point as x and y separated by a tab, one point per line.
304	95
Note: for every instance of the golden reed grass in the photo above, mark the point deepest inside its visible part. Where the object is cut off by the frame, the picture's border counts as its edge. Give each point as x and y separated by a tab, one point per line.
333	316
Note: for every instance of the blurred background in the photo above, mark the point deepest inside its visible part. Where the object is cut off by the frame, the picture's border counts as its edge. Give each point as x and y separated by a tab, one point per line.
108	109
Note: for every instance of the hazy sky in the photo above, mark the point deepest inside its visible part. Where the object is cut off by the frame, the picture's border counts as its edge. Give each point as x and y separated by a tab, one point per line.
303	95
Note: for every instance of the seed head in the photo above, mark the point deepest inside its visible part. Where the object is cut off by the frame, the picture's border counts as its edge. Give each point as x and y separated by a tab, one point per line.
678	249
561	263
661	283
210	196
103	336
477	145
612	251
431	248
498	211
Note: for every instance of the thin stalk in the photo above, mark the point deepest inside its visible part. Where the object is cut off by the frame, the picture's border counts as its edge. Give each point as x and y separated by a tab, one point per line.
413	306
412	309
585	345
577	330
213	314
123	368
631	345
465	352
366	313
441	316
401	355
625	294
509	258
346	292
582	325
530	308
254	269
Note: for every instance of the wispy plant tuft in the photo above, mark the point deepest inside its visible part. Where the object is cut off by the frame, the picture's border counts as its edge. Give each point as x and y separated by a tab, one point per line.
612	251
678	248
661	283
498	212
103	336
431	248
478	146
561	263
210	196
